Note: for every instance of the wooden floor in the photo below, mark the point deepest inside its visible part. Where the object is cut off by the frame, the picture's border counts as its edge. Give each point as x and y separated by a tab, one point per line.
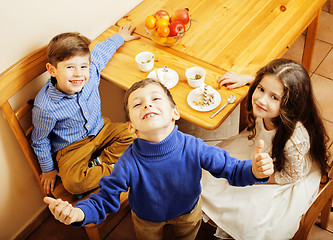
322	78
51	229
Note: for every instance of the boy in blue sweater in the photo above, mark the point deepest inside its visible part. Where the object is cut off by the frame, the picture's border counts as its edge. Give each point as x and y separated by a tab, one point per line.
162	170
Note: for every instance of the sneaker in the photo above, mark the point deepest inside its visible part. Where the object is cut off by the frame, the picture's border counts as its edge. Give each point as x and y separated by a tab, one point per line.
79	196
91	163
98	161
94	162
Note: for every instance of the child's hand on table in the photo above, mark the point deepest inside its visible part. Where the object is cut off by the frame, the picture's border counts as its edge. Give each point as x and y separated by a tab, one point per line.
64	211
234	80
262	163
126	32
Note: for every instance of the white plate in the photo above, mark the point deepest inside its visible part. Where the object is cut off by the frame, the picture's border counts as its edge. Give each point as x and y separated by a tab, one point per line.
194	95
172	77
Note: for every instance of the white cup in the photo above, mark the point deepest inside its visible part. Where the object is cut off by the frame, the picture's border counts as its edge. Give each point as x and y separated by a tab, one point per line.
195	76
145	61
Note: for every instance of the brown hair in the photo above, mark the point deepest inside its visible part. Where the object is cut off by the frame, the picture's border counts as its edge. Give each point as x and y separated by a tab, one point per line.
67	45
297	105
141	84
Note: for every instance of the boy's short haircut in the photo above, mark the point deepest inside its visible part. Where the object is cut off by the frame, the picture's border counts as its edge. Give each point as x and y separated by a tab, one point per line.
66	45
141	84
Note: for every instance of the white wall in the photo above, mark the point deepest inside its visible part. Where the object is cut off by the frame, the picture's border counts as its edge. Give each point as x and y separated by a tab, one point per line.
24	27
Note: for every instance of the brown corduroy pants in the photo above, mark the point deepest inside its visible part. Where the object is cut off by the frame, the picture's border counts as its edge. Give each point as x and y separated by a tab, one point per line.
185	226
73	160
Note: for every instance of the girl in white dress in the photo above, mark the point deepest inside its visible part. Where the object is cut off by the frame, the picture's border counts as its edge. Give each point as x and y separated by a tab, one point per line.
282	112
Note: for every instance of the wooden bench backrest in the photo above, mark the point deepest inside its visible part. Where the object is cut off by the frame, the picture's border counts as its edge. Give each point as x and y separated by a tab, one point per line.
322	204
12	81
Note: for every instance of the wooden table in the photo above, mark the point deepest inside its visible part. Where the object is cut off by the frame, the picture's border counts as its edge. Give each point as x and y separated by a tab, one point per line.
123	71
238	35
229	35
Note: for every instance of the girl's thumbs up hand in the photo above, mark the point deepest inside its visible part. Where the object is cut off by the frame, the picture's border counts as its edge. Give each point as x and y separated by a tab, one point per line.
262	163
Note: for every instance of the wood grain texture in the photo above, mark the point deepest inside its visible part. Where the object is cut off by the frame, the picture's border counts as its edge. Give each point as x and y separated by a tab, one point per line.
123	71
242	35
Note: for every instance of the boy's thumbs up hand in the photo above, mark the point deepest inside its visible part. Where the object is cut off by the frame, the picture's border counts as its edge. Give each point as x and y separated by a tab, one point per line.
262	163
64	211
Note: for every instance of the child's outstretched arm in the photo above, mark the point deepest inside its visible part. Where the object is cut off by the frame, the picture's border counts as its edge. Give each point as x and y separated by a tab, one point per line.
234	80
64	211
262	163
126	33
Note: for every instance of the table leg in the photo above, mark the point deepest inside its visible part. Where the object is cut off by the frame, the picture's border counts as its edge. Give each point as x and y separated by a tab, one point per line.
310	40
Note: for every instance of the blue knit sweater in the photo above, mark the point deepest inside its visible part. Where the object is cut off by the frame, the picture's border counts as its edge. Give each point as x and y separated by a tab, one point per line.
163	178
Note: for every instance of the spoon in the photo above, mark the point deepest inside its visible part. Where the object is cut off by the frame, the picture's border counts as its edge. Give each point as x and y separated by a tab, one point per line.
231	99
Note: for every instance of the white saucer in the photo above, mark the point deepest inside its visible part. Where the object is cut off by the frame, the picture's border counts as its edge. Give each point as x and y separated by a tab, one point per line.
193	95
171	74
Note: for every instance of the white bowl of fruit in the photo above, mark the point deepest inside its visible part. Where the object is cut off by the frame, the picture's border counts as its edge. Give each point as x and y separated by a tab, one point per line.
167	28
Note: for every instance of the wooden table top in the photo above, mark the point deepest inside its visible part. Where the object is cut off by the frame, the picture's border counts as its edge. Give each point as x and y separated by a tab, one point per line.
235	35
228	35
123	71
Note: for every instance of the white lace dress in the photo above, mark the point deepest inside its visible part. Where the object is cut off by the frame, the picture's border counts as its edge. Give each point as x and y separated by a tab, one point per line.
267	211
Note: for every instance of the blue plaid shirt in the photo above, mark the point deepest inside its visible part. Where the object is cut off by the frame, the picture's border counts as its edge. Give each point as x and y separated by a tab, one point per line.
60	119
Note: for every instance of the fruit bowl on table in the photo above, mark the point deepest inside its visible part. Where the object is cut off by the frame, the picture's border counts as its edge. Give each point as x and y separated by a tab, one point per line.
168	27
167	41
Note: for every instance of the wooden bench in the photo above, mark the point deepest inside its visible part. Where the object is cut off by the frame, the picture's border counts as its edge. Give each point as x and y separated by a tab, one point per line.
321	205
11	81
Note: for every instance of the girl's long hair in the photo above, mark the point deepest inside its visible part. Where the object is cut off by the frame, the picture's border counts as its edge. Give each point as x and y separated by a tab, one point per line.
297	105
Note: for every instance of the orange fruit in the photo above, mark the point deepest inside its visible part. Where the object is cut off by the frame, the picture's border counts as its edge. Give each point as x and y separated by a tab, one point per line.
150	22
162	22
171	40
154	32
160	40
173	18
163	31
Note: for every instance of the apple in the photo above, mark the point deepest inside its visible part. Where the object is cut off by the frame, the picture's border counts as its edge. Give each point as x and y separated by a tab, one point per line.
176	28
181	15
162	14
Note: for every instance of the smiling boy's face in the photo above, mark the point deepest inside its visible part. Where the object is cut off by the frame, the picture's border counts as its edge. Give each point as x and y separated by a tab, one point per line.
151	113
71	74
